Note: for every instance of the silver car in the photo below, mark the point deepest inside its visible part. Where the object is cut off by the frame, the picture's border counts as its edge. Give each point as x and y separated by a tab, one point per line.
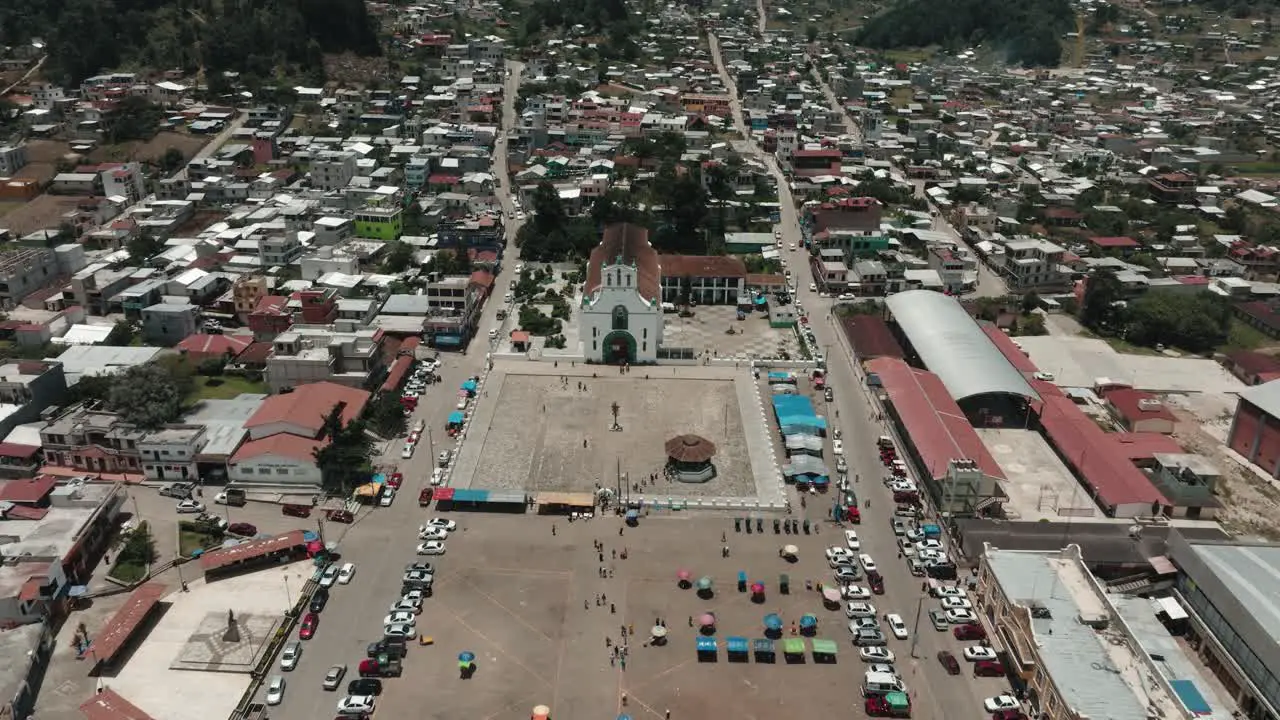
290	656
333	678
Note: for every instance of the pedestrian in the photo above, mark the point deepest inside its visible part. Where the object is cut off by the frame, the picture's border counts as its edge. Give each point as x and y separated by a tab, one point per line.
614	553
722	537
668	715
600	555
553	529
632	630
619	532
584	442
623	662
624	696
690	621
586	605
622	630
603	599
608	641
613	609
612	661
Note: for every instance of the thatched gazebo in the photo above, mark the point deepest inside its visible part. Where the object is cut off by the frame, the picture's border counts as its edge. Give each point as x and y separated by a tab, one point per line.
689	458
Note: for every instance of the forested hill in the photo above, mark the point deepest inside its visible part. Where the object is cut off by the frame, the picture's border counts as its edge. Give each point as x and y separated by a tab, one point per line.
1028	32
258	38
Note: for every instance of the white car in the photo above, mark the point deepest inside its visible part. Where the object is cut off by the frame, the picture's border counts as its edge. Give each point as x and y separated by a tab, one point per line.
426	532
847	297
929	544
400	630
839	556
462	404
1045	376
867	563
896	625
906	547
956	603
860	609
876	655
837	447
444	458
189	506
347	572
431	547
1000	702
388	497
408	606
841	465
275	690
407	451
846	574
329	576
414	596
813	287
863	623
882	668
442	524
400	617
961	617
942	591
437	477
855	592
356	705
791	247
851	539
290	655
976	653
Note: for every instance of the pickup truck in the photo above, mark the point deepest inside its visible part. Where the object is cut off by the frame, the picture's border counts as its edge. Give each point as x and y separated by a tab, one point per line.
381	666
178	490
391	648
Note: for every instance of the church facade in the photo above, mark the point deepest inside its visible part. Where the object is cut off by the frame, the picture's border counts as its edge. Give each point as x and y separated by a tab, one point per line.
620	320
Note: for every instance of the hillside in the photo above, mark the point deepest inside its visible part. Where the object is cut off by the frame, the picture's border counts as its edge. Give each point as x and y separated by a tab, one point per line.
261	39
1028	32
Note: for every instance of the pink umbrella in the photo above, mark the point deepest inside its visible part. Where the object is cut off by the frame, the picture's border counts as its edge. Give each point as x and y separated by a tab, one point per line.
757	588
831	594
707	619
683	575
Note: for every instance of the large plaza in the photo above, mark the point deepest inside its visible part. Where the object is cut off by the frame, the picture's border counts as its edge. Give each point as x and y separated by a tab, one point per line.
541	428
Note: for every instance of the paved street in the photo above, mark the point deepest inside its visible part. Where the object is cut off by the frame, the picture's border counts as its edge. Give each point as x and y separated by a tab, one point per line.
933	689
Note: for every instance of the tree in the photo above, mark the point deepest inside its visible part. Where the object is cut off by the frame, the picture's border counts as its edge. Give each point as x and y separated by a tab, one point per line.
385	415
1030	302
344	459
172	160
1102	294
121	335
144	246
1196	323
149	395
399	257
811	33
138	547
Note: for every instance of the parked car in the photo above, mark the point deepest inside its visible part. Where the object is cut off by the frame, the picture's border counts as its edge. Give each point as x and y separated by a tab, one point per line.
275	690
309	624
301	511
391	647
896	625
333	678
443	524
426	532
939	619
876	654
189	506
365	686
290	655
399	630
388	497
431	547
341	516
319	599
356	705
179	491
860	609
329	576
1001	702
961	617
243	529
851	539
988	668
976	653
949	662
969	631
347	572
425	496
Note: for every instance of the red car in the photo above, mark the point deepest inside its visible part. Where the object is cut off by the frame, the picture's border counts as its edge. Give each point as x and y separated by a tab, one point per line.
988	668
949	662
424	497
302	511
341	516
1008	715
876	581
877	707
395	480
969	631
309	623
242	528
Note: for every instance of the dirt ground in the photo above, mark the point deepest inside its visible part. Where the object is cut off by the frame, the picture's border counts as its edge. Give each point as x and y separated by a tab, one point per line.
151	150
43	211
1250	503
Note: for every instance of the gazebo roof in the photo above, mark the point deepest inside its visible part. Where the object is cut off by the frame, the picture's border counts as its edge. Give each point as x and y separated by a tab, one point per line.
690	449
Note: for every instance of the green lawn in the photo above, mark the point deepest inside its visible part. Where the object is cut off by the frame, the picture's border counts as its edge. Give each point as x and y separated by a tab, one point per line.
224	387
1244	337
1261	167
191	540
128	572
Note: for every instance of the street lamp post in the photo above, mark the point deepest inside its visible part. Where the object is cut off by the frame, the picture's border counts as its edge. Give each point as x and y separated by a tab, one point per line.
287	597
915	631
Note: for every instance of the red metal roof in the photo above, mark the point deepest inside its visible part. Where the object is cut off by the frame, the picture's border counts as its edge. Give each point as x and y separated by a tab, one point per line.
1114	242
1011	352
121	626
17	450
28	491
871	337
934	421
1144	445
108	705
1128	402
308	406
519	337
1097	456
398	370
249	550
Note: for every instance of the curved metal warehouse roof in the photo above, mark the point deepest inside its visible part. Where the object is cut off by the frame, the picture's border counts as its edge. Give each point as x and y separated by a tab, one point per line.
953	346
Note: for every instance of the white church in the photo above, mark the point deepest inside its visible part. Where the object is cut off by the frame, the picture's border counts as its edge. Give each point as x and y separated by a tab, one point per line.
621	315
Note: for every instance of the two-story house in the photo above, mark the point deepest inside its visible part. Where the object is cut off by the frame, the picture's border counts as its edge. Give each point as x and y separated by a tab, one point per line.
169	454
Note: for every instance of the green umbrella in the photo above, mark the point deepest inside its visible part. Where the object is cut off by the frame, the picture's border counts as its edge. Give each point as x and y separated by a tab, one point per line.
704	582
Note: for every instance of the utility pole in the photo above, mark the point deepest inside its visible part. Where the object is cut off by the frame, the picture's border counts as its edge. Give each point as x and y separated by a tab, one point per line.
619	481
915	631
431	446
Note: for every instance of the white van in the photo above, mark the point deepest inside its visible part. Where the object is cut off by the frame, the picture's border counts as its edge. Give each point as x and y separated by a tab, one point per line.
668	307
881	683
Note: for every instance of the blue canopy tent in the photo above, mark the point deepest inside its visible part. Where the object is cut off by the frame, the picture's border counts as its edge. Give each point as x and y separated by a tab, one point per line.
469	386
762	646
737	645
707	645
457	417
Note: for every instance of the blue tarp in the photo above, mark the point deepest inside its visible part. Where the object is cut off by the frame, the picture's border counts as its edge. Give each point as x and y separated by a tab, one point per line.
469	386
448	340
706	644
785	377
763	646
457	417
1190	696
930	530
471	495
378	479
736	644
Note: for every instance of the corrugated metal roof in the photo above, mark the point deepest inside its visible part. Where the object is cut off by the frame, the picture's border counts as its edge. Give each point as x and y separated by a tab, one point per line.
1265	396
953	347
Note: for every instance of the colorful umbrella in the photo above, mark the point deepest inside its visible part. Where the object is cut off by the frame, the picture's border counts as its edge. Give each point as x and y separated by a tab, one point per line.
757	588
683	575
704	582
808	620
773	621
466	657
707	619
658	631
790	550
831	594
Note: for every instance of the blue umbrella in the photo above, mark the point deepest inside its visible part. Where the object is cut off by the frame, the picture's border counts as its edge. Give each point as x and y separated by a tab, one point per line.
466	656
773	621
808	621
624	717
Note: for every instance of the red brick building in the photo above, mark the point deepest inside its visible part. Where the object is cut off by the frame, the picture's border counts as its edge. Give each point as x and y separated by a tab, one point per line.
1255	429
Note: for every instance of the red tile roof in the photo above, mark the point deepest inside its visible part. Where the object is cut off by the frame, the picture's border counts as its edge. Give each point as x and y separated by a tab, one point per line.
1096	456
108	705
626	243
17	450
935	423
1114	242
396	375
281	444
308	405
1129	403
249	550
28	492
215	345
121	626
702	266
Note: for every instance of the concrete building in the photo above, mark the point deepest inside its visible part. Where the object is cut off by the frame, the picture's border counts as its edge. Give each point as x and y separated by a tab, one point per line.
167	324
949	266
12	159
280	250
307	354
23	271
379	223
169	455
1069	653
702	280
1228	590
28	388
92	441
621	315
1031	264
126	180
333	170
246	291
1255	428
